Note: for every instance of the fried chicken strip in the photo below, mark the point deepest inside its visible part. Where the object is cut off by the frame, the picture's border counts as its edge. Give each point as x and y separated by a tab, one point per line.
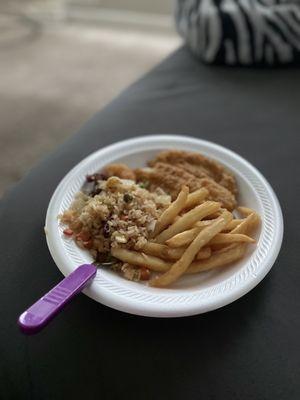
197	165
171	178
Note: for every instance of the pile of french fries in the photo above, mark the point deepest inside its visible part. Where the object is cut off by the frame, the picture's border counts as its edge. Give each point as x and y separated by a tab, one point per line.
192	235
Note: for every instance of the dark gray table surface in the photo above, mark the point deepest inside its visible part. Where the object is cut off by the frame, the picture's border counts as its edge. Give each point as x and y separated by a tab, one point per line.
247	350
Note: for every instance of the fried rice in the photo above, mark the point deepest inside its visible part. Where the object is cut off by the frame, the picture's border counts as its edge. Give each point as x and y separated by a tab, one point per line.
120	214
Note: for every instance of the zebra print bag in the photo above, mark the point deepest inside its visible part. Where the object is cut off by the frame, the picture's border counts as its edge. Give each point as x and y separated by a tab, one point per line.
241	32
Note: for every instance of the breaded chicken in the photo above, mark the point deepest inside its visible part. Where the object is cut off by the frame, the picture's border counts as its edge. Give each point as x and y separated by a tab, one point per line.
172	169
171	178
197	165
120	170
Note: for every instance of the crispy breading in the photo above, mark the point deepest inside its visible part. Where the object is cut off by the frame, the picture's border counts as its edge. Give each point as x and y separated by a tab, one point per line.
197	165
171	178
120	170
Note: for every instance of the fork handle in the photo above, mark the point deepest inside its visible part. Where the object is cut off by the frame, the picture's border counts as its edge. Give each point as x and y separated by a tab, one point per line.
40	313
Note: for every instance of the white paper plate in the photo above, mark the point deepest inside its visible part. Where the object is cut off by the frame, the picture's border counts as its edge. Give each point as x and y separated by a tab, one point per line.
192	294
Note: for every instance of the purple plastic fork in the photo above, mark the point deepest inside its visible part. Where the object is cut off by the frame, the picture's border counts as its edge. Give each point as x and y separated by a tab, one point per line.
40	313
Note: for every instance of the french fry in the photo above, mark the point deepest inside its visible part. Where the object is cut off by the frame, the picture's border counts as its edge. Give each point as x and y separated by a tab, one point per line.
195	198
141	259
175	254
217	248
186	237
184	262
203	253
183	238
245	211
167	253
213	215
218	259
202	224
157	249
224	238
172	211
188	220
248	224
232	224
